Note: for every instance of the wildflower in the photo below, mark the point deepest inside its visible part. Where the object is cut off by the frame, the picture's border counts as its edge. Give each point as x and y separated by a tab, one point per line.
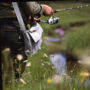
25	61
19	57
74	89
60	31
22	81
52	55
42	64
84	74
49	80
28	64
45	55
7	49
57	79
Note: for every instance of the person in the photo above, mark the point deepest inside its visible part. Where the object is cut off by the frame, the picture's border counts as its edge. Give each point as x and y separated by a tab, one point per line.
10	36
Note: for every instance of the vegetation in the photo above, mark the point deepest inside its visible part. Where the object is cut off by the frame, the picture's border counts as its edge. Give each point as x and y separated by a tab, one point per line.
79	38
40	72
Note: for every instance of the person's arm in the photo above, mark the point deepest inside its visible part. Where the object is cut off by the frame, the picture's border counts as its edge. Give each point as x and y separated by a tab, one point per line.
36	10
32	9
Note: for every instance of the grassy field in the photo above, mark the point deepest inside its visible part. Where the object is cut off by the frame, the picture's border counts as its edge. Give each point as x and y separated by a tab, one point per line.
40	72
67	17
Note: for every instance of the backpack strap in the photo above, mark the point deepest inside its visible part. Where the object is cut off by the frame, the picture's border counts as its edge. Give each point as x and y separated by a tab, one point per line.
32	37
27	39
19	16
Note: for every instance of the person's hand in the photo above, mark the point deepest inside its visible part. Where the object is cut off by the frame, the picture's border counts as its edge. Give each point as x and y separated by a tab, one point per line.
37	19
47	10
34	19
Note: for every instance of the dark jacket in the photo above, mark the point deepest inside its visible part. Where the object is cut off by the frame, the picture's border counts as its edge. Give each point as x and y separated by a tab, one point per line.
27	9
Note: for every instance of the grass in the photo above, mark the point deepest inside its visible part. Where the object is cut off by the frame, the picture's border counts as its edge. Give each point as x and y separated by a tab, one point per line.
67	17
38	75
79	38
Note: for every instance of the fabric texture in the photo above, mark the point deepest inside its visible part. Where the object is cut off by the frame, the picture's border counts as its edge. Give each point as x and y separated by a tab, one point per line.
27	9
35	36
10	37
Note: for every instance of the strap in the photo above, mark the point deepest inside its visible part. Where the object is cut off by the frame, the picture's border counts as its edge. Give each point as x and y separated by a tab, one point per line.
19	16
27	39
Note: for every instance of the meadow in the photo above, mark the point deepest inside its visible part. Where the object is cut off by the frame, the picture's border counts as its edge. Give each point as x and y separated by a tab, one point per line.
40	74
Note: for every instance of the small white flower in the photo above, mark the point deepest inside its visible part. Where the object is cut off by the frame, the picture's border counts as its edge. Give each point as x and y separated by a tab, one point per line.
19	57
25	61
42	64
28	64
22	81
57	79
45	55
7	49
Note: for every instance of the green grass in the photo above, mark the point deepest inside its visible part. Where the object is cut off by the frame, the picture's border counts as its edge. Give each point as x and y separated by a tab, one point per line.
41	69
67	17
79	38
